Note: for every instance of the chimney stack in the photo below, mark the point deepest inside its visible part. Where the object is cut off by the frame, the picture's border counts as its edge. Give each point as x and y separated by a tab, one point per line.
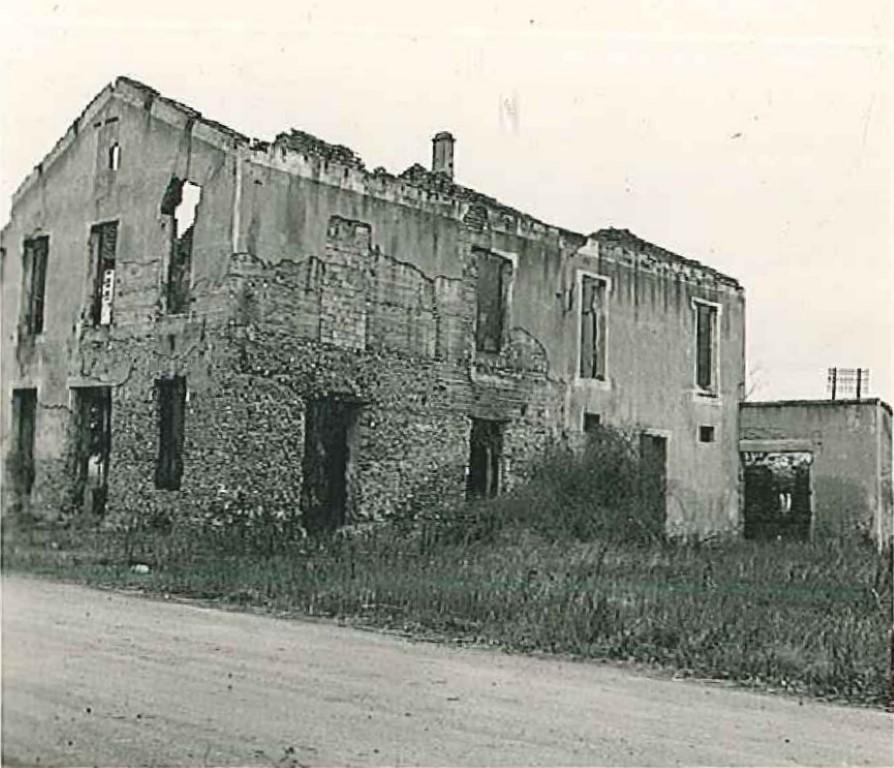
442	154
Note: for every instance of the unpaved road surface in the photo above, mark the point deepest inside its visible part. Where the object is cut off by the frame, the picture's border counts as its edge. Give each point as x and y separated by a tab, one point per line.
103	678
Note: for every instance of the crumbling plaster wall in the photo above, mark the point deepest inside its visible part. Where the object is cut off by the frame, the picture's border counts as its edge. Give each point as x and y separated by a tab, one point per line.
405	353
237	413
288	195
72	190
851	446
313	277
287	200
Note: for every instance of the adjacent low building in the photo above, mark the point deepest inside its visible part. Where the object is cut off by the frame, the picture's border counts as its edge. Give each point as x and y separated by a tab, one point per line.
817	468
194	320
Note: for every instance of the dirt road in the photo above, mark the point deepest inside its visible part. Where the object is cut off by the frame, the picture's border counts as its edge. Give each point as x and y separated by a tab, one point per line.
100	678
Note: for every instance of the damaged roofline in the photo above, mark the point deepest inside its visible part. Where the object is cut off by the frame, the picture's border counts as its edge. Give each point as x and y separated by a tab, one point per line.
63	142
193	114
145	96
149	96
628	238
303	143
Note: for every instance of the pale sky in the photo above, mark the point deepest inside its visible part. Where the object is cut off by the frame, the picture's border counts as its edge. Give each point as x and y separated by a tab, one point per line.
752	135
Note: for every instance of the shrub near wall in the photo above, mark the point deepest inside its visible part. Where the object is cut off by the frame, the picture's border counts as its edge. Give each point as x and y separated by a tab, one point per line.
562	564
599	492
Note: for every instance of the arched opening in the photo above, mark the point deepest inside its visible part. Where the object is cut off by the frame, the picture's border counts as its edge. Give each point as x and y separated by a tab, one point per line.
115	156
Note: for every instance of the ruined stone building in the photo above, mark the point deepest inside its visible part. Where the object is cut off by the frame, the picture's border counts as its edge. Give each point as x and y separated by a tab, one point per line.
193	318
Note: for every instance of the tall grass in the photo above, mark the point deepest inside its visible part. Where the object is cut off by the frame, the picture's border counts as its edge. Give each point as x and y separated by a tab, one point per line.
535	571
599	492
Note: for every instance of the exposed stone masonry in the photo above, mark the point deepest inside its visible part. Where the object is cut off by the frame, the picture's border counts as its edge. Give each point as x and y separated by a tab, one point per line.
318	287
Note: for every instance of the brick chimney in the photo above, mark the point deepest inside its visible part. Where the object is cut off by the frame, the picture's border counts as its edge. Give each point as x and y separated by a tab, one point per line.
442	153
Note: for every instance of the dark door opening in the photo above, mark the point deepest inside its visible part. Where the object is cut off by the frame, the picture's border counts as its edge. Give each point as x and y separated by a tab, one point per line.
24	416
592	424
170	403
777	495
93	447
330	427
485	457
653	478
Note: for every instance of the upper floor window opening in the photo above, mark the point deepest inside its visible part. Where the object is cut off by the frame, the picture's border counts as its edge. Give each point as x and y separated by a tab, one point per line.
180	203
592	342
34	276
492	299
706	346
103	246
115	157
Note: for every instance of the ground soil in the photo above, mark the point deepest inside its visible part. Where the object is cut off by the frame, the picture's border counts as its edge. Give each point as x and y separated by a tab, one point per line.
103	678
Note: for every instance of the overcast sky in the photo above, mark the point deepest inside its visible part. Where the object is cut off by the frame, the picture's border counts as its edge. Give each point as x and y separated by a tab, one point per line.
753	135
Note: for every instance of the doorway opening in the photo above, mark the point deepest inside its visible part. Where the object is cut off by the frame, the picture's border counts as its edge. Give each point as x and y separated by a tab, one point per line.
24	420
777	495
330	432
653	477
92	448
170	403
485	459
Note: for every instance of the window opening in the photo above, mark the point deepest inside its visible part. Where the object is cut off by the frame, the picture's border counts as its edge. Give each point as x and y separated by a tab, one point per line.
706	346
491	292
103	244
34	269
592	328
706	434
180	202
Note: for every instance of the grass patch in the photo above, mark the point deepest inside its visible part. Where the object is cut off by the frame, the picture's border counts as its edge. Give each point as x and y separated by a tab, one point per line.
810	618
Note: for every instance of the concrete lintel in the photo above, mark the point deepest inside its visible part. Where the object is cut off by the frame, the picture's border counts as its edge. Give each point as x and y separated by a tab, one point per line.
777	446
